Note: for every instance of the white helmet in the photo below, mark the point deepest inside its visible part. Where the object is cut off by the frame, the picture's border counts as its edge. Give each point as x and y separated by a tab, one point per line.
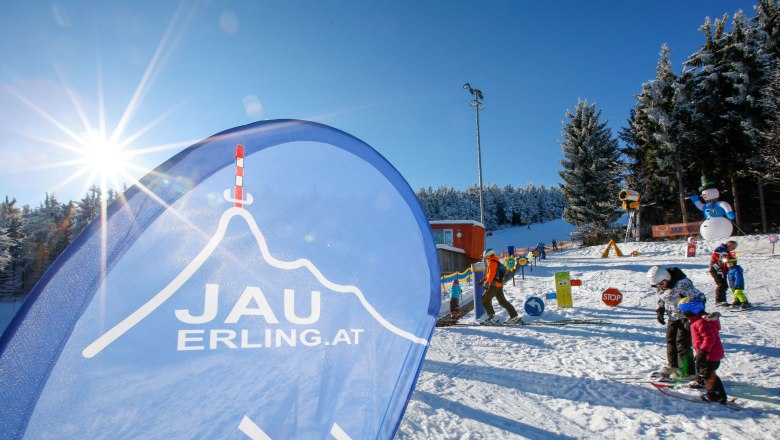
488	252
656	274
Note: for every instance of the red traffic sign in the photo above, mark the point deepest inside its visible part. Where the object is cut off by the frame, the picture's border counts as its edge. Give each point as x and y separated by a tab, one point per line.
611	297
773	239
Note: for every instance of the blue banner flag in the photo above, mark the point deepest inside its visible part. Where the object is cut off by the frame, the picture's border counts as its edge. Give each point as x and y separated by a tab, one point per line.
276	280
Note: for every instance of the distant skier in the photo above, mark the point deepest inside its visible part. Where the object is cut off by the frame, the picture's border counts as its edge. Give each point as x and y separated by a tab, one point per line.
494	287
719	269
540	248
554	245
709	349
671	285
736	279
455	300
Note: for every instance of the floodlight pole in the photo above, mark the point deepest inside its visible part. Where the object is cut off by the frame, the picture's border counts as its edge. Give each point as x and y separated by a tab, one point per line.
477	104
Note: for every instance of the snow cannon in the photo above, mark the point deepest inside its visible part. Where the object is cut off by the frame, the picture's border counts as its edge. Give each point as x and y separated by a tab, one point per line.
717	214
629	198
563	285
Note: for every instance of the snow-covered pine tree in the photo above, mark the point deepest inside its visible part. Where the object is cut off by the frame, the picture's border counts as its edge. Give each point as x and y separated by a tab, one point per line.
590	168
87	209
5	249
770	152
11	221
45	236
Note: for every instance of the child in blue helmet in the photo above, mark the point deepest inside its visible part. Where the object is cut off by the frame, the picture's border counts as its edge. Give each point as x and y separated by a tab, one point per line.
736	280
705	333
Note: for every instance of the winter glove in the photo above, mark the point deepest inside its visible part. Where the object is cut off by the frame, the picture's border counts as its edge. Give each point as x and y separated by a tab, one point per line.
659	313
701	356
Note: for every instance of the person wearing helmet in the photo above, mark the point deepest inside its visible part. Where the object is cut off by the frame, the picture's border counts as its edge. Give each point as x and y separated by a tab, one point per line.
705	332
736	281
494	288
671	285
455	300
719	269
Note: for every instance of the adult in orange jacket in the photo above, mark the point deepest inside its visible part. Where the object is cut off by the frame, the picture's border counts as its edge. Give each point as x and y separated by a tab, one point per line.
494	288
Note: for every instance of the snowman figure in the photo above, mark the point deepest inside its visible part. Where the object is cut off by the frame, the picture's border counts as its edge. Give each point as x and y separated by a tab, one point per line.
717	215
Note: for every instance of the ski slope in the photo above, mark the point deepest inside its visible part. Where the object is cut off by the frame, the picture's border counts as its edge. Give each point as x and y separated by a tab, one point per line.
559	382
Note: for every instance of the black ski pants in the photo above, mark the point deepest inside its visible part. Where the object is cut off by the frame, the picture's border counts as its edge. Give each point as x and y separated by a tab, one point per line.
721	285
679	352
707	377
498	293
455	306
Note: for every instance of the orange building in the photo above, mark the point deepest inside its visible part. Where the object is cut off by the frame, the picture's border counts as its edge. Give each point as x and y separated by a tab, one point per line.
459	243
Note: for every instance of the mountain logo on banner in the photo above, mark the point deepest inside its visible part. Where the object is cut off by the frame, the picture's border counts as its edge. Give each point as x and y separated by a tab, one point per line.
187	310
188	339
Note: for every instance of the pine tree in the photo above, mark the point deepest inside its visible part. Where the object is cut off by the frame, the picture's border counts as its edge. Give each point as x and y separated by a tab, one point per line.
6	243
46	236
770	151
86	210
11	222
590	168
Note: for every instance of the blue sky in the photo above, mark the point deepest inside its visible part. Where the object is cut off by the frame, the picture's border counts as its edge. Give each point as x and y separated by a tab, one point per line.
388	72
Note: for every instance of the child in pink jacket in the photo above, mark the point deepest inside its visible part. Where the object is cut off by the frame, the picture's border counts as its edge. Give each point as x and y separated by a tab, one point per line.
705	331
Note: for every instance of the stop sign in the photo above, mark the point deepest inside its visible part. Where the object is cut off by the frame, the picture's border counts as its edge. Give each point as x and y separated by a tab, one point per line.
611	297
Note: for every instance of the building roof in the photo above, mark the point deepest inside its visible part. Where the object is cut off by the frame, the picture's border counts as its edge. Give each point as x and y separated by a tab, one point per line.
450	248
456	222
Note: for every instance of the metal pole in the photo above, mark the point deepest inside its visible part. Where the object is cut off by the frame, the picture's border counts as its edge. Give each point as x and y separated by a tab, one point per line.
479	161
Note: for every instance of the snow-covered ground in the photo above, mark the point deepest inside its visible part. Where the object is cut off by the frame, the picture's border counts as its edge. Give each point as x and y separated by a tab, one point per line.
559	382
523	237
557	230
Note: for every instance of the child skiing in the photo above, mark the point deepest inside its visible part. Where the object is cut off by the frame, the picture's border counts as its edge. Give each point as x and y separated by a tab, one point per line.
494	287
709	349
736	281
455	300
719	269
671	285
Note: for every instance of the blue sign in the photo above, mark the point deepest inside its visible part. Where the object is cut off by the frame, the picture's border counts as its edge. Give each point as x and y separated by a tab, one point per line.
534	306
276	280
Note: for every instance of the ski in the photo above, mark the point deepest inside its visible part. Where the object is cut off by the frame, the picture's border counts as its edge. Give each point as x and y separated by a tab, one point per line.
737	310
668	390
647	378
531	323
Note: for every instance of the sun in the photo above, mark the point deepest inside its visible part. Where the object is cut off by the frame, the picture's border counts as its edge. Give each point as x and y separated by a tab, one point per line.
102	158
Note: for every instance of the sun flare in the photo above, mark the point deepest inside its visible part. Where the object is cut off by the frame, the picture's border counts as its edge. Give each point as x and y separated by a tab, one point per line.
103	158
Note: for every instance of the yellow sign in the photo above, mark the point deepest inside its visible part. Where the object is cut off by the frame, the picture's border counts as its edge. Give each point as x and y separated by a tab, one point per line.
522	261
611	245
563	289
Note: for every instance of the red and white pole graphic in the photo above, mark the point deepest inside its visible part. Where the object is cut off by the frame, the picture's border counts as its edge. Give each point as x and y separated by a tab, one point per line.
238	194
